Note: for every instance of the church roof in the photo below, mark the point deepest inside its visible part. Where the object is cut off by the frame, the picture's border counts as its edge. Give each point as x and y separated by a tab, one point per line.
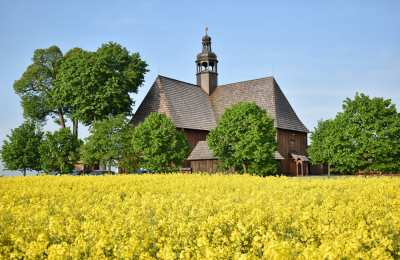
201	152
186	104
266	93
190	107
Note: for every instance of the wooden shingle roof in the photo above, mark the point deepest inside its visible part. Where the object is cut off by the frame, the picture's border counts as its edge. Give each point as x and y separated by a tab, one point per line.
266	93
190	107
186	104
201	152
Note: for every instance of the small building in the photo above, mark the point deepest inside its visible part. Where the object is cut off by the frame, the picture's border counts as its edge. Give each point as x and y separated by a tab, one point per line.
196	108
202	159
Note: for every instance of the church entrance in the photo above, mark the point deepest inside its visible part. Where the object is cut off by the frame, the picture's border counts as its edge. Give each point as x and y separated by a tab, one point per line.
301	164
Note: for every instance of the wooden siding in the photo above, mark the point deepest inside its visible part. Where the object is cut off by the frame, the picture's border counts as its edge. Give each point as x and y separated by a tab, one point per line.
319	169
210	166
193	136
290	142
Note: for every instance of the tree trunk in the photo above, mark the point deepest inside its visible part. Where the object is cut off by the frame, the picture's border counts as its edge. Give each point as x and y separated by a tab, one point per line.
329	170
244	167
102	165
62	120
75	128
24	171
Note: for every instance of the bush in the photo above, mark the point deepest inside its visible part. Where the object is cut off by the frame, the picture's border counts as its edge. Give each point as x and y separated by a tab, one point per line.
59	151
20	150
245	139
158	144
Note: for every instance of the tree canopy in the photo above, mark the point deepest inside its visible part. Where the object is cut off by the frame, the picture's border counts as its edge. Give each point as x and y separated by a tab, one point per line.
158	144
245	139
20	149
84	86
59	151
365	136
109	143
98	84
36	86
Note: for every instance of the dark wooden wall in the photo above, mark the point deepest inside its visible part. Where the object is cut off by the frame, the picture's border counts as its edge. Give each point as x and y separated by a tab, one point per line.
290	142
204	165
319	169
193	136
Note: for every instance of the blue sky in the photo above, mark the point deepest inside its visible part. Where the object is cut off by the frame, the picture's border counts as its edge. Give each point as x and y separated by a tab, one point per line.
319	51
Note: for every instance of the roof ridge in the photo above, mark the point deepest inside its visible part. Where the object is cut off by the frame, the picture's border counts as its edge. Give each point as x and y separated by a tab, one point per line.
162	76
275	87
243	81
163	96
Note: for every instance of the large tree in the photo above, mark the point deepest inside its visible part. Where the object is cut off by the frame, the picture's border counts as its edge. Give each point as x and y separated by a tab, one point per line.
82	85
98	84
365	136
159	145
59	151
245	139
36	86
20	149
109	143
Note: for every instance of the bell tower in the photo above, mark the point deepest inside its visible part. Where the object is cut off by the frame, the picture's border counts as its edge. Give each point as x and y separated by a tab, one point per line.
207	72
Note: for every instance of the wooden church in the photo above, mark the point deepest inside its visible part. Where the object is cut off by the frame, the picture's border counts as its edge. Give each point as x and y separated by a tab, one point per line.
196	109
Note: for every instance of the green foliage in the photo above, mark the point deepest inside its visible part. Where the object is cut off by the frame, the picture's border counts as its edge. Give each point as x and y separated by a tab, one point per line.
109	143
159	145
82	85
59	151
20	149
245	139
36	86
365	136
322	142
98	84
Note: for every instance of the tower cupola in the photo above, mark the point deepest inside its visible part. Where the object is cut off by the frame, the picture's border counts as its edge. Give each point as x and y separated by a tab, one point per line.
207	71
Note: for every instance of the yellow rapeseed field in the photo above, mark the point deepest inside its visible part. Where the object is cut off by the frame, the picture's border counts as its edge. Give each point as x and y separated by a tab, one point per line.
199	217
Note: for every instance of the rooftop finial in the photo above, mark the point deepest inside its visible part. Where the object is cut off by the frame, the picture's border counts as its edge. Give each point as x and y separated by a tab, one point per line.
206	41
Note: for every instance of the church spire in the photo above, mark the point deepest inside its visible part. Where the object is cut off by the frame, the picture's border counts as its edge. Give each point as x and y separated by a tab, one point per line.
207	73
